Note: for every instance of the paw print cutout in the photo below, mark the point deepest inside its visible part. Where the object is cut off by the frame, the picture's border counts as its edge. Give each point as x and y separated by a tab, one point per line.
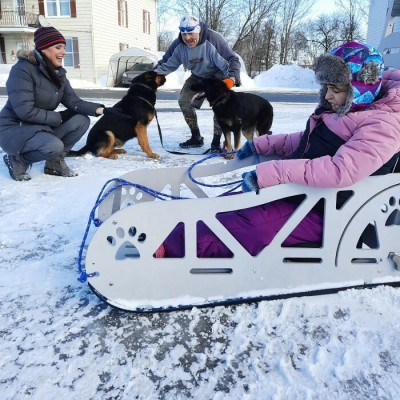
392	209
124	243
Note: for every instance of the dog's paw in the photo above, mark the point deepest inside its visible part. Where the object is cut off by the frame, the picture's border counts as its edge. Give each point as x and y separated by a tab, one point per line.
153	155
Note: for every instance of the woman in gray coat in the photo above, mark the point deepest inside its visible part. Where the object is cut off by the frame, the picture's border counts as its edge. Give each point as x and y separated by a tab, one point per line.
30	129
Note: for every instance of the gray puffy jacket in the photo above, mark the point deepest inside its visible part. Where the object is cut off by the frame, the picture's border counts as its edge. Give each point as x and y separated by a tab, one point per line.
32	99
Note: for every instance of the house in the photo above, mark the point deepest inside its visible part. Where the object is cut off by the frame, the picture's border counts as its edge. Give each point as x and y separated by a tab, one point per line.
94	30
384	18
384	30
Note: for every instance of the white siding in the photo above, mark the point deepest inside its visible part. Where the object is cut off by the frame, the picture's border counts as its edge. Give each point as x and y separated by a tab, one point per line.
108	34
99	35
377	21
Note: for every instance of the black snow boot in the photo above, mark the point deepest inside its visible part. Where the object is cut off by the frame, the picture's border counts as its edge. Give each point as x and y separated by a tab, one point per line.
17	168
58	167
195	141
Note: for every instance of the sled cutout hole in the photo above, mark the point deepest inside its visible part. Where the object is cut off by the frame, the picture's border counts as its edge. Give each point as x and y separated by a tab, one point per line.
365	260
120	232
127	250
369	237
132	191
141	237
203	230
126	203
111	240
393	218
132	231
211	271
139	196
343	197
300	260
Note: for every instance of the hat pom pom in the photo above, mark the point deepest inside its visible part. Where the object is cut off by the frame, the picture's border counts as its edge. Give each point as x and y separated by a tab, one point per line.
370	73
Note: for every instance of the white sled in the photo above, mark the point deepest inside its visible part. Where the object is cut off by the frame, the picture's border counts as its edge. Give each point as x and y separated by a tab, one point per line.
122	270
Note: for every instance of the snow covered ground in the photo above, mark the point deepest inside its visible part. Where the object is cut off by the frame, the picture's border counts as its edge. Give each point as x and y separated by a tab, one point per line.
59	341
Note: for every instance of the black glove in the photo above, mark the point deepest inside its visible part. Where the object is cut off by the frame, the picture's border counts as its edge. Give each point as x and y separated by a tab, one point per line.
66	115
115	112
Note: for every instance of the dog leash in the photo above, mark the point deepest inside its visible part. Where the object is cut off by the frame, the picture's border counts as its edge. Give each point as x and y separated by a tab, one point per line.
172	151
160	133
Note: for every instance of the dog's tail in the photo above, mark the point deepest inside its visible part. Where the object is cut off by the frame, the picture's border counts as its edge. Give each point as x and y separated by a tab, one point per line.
77	153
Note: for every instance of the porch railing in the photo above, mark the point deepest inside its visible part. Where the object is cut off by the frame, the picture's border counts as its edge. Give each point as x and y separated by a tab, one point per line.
18	19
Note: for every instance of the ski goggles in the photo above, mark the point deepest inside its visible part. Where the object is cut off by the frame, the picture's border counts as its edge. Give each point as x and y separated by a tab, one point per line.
187	29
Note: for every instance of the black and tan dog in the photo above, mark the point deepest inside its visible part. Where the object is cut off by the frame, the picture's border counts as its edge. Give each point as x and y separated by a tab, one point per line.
137	109
236	112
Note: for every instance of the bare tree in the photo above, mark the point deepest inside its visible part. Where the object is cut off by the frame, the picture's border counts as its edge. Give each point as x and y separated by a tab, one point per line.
291	13
212	12
164	36
265	32
259	49
355	14
251	16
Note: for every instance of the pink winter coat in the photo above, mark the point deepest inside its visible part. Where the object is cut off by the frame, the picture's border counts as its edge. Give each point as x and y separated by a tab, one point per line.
372	137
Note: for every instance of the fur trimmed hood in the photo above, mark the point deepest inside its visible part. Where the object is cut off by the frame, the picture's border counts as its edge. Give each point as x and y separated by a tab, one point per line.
29	55
355	64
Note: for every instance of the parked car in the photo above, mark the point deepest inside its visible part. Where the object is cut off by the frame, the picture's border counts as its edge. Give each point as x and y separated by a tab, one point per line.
134	71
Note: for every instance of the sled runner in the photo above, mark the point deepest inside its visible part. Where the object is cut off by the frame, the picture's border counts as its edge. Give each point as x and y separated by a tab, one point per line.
360	246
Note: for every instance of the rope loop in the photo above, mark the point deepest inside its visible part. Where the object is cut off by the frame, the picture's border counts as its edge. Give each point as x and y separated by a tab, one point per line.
119	183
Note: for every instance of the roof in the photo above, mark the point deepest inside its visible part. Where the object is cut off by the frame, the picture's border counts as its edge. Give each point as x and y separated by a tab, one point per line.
135	52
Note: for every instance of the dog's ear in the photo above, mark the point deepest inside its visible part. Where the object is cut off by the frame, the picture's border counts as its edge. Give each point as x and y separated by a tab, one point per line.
160	79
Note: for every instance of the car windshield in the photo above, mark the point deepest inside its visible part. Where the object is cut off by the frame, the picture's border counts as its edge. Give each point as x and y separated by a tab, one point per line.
141	67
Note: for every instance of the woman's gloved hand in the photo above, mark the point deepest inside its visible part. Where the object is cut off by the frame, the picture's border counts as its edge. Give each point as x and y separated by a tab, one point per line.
66	115
247	150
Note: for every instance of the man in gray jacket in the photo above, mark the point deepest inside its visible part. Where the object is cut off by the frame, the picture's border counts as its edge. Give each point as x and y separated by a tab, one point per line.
207	55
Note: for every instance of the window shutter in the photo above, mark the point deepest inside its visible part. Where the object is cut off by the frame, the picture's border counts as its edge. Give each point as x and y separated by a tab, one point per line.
73	8
3	56
76	52
126	14
119	12
41	7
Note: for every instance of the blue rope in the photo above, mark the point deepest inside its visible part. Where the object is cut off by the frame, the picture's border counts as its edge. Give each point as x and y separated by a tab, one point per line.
208	185
96	222
83	275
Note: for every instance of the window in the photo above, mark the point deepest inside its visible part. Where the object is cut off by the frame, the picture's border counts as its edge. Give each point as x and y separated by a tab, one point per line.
122	13
146	22
123	46
58	8
71	58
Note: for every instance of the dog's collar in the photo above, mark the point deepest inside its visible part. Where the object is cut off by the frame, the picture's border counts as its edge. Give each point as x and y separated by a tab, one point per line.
217	100
142	98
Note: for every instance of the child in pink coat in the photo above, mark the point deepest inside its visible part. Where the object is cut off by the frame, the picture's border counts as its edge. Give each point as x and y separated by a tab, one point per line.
353	133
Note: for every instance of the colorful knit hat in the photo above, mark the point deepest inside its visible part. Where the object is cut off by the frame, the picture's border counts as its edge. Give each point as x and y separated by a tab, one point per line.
355	64
47	36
